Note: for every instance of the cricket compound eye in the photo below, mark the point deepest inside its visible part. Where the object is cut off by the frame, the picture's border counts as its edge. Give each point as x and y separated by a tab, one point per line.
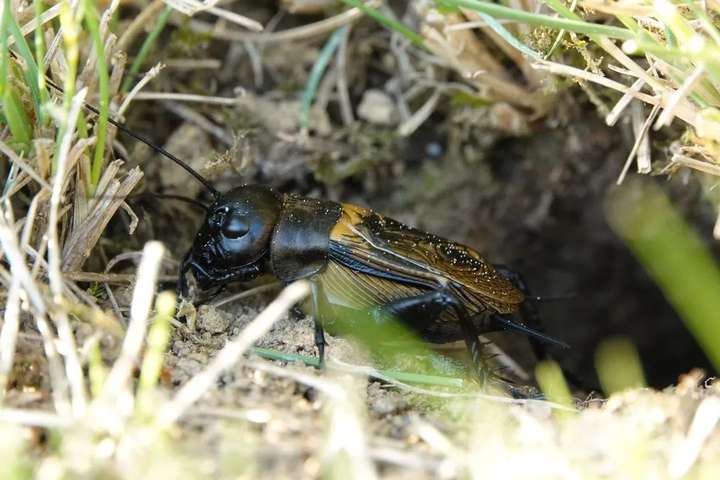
235	226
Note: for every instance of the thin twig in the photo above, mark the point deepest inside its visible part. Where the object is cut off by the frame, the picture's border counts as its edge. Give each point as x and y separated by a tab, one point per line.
371	372
321	384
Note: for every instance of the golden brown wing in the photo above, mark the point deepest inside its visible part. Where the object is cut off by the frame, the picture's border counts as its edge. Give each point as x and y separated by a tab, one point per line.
378	245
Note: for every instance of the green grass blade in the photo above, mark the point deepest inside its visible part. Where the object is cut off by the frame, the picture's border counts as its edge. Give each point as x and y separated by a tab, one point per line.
17	119
92	22
674	256
145	48
31	71
4	52
317	72
71	39
39	58
573	25
406	377
509	37
391	23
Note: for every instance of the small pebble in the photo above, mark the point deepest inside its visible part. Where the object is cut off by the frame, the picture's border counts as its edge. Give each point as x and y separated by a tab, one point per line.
212	320
377	107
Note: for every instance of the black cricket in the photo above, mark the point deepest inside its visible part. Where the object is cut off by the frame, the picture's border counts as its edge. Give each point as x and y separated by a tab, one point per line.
356	259
441	290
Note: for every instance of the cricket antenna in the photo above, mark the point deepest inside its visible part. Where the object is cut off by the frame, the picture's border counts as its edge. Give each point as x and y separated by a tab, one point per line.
215	193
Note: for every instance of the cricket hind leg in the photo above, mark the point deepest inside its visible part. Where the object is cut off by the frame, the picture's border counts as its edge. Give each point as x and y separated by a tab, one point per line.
319	337
423	309
316	295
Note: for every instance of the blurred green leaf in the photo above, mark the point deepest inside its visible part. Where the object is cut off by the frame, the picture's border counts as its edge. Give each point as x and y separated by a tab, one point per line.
674	256
383	19
552	382
17	119
618	365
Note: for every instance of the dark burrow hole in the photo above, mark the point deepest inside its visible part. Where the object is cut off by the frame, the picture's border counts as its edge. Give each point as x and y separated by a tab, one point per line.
550	224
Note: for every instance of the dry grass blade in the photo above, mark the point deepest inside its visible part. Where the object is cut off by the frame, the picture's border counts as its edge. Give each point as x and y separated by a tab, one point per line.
67	341
46	16
703	424
187	97
33	418
247	293
641	127
409	126
193	116
138	25
612	117
699	165
304	32
152	73
85	235
8	240
192	7
118	278
346	440
200	383
119	376
8	335
566	70
665	119
14	158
